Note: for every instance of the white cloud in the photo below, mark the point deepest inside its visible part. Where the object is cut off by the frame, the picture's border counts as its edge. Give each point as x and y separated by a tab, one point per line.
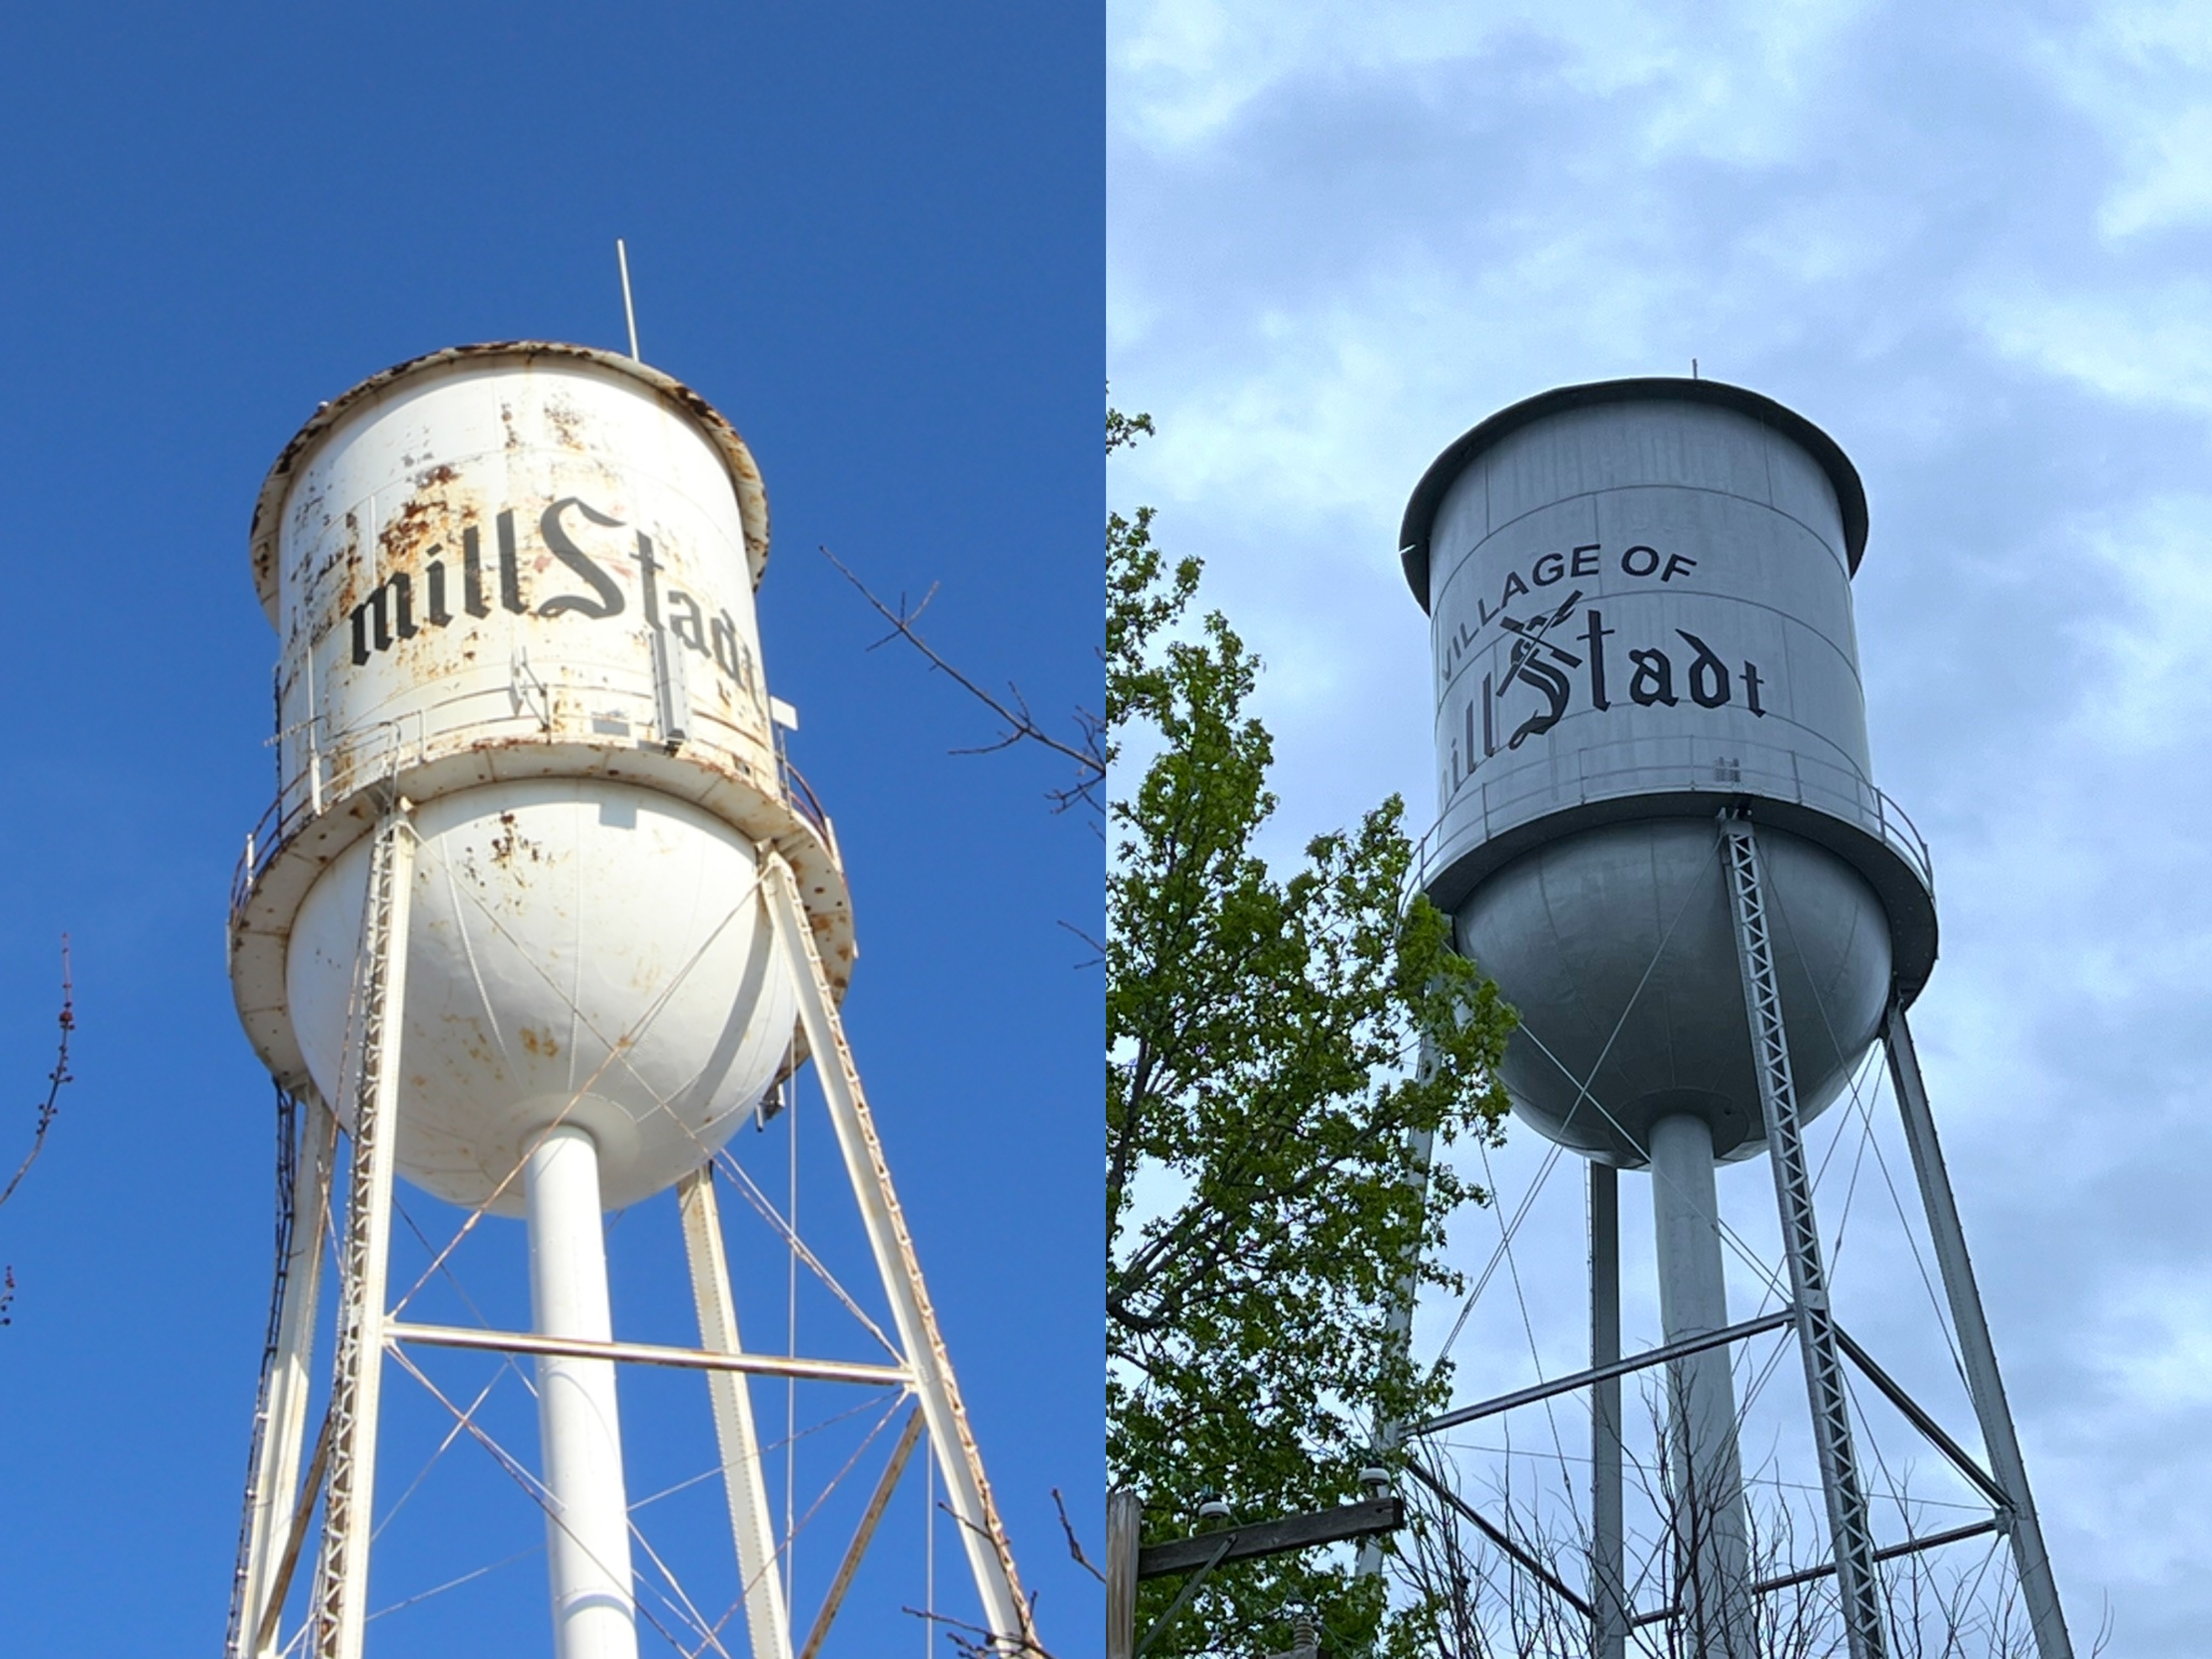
2138	73
2147	344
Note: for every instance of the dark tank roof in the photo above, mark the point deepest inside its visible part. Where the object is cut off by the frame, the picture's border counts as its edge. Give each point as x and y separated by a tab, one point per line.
1421	510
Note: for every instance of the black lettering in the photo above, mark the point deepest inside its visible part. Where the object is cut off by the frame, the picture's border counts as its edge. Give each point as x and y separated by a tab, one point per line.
1751	688
472	594
683	617
1555	563
1586	566
648	578
1709	675
510	567
437	616
1553	685
1513	585
725	648
1654	678
1595	636
373	617
1675	562
609	601
1489	725
361	628
1482	613
1633	565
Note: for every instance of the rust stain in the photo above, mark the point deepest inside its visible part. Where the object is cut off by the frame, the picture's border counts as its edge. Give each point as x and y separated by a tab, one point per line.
541	1044
510	843
565	421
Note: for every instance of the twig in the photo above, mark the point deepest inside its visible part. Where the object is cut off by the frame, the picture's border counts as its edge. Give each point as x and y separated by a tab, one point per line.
1021	725
992	1644
49	1109
1074	1546
1098	950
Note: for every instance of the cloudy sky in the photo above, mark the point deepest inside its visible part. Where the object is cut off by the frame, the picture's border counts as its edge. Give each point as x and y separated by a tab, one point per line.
1970	243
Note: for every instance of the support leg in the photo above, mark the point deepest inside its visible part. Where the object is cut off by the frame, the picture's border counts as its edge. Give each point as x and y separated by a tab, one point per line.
340	1613
2038	1586
276	1488
767	1621
1849	1532
1608	1575
968	1494
285	1410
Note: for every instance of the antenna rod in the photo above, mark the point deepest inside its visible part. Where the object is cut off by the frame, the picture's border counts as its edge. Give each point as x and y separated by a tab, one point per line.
629	312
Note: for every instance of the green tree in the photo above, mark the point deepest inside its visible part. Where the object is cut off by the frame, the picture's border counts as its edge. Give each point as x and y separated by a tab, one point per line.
1263	1195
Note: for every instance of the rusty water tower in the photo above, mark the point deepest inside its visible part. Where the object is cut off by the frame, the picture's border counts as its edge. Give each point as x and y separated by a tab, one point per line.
1661	834
538	917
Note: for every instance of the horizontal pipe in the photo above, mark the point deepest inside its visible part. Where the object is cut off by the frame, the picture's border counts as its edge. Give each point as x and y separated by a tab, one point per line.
1452	1420
1827	1569
647	1353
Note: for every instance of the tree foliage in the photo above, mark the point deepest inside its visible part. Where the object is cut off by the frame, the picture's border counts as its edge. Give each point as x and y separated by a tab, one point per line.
1263	1192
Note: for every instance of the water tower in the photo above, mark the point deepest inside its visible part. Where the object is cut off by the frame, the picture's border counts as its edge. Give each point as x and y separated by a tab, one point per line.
1661	834
538	920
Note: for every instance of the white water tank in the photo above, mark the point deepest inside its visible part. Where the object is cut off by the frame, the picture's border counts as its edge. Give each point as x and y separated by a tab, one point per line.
1639	598
514	584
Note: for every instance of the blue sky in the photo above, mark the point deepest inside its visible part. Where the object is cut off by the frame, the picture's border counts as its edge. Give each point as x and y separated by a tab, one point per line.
1969	242
872	238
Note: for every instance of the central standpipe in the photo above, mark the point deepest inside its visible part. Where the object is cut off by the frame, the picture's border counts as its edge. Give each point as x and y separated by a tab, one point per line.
587	1509
1710	1544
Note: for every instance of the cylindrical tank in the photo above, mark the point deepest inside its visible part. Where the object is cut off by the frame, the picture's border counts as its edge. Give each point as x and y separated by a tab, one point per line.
1640	611
514	584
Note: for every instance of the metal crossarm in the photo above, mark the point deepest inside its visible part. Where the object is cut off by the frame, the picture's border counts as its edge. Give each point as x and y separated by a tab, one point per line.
1850	1535
339	1612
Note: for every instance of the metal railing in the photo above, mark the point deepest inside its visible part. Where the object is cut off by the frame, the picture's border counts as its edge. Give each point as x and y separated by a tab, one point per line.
1490	802
338	767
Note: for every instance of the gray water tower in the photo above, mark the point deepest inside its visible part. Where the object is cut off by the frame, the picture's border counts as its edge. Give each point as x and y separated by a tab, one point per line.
1660	833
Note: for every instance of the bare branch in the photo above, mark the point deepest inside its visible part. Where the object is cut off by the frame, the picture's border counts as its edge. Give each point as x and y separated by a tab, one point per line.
1098	950
50	1108
1074	1546
964	1636
1087	753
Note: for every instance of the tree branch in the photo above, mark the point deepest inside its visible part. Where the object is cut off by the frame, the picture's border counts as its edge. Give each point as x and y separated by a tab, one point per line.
50	1108
1021	725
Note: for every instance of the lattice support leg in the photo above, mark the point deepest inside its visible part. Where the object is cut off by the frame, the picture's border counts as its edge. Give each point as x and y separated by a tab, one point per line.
968	1493
1849	1532
340	1607
273	1490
